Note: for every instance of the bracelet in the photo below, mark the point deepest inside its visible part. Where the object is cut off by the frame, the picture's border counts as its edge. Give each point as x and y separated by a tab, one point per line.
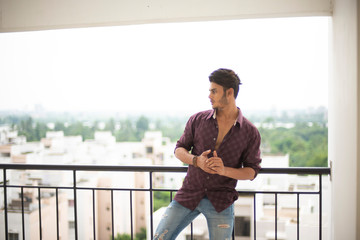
194	160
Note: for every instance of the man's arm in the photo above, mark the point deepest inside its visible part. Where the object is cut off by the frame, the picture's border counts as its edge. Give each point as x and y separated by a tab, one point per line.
183	155
217	167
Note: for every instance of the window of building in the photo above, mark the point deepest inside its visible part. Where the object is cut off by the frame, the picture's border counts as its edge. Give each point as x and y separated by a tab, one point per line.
149	150
13	236
242	226
71	224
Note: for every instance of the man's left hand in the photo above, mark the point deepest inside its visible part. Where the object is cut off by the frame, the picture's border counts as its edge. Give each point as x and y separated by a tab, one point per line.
216	164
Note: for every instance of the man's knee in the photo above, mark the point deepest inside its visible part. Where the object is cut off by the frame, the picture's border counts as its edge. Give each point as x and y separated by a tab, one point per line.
160	236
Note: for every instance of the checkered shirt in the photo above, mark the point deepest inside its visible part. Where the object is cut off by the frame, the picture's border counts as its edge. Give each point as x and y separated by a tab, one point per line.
239	148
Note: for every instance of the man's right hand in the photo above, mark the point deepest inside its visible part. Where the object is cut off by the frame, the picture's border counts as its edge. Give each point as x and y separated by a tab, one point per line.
202	162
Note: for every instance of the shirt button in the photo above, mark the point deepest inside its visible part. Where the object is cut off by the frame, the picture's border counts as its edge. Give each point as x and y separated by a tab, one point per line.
208	177
214	139
205	189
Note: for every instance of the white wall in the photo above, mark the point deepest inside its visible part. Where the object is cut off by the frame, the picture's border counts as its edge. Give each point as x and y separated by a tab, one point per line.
358	138
344	120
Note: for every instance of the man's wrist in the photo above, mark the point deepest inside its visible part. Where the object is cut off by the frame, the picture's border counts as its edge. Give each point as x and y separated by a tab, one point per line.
194	161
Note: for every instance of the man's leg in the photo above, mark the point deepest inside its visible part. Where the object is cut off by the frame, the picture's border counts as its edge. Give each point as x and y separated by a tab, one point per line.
220	224
174	220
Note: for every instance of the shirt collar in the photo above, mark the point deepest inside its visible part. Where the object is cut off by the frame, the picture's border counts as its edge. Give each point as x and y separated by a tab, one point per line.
239	119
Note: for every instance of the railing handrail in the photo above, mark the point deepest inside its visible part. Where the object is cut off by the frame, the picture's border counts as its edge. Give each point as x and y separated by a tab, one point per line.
150	169
155	168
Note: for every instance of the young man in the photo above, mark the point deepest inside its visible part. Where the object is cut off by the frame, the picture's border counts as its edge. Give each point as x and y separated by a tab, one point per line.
220	146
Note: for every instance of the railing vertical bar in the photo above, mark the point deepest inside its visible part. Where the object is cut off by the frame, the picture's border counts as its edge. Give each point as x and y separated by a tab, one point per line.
40	223
57	213
298	215
254	216
112	214
94	214
233	232
151	205
171	196
192	231
320	206
131	216
75	204
22	213
276	212
5	206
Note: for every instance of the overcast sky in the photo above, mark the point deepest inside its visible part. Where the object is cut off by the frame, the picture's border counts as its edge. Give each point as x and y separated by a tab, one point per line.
283	64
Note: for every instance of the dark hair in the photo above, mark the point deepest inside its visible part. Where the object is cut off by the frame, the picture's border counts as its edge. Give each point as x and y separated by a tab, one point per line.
226	78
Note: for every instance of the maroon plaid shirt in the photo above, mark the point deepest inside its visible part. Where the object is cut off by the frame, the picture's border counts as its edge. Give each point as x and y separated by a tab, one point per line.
240	148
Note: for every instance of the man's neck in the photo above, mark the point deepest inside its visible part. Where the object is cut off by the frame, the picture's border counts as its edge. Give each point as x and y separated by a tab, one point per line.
227	113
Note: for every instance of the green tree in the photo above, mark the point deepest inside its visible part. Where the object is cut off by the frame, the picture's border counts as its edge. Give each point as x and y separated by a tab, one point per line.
110	125
126	132
138	236
26	128
141	235
305	143
40	131
161	199
60	126
123	236
142	125
78	128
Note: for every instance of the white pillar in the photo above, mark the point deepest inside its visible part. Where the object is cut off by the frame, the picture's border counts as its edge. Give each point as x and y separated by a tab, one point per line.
344	137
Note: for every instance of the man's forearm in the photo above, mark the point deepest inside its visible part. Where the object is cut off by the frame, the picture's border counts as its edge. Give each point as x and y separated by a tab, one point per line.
245	173
183	155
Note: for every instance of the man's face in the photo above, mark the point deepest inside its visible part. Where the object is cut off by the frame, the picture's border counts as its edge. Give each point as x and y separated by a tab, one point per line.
217	96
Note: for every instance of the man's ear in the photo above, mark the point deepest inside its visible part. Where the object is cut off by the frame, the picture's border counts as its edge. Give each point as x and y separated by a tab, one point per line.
230	92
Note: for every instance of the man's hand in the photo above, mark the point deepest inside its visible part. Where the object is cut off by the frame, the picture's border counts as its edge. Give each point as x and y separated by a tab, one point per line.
216	165
202	162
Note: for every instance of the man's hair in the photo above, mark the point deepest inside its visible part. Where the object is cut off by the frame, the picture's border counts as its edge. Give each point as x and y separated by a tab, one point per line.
227	79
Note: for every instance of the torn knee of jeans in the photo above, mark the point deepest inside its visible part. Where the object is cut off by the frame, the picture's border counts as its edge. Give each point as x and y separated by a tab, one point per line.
223	226
161	236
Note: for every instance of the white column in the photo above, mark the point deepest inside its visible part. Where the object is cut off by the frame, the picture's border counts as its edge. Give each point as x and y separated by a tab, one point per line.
344	123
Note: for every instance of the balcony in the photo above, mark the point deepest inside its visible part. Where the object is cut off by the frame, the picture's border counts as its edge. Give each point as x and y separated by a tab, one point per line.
43	210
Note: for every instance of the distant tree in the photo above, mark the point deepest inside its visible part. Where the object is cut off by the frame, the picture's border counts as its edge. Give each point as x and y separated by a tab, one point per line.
126	132
123	236
138	236
110	125
26	128
141	235
142	125
59	126
305	143
40	131
78	128
161	199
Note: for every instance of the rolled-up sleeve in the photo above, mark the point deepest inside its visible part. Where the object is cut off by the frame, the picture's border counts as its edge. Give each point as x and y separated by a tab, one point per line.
187	138
252	156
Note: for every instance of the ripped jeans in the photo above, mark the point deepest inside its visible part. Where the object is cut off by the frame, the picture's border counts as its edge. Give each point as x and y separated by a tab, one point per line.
177	217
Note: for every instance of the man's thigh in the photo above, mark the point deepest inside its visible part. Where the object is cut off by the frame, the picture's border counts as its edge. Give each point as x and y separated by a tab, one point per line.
174	220
221	224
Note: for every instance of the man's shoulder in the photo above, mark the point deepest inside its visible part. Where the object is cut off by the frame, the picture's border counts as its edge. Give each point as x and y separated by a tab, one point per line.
250	126
202	115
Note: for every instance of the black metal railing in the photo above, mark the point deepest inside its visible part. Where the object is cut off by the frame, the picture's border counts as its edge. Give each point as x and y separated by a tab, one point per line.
5	185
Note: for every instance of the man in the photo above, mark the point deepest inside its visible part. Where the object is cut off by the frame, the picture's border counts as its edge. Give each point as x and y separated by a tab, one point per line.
220	146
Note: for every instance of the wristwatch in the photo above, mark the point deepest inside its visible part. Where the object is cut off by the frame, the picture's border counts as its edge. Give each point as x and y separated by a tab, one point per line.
194	160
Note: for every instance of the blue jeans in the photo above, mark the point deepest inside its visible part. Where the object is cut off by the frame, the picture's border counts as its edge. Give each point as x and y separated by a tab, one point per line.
177	217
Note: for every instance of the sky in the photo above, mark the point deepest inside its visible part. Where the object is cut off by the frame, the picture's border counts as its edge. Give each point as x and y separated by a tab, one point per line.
282	63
